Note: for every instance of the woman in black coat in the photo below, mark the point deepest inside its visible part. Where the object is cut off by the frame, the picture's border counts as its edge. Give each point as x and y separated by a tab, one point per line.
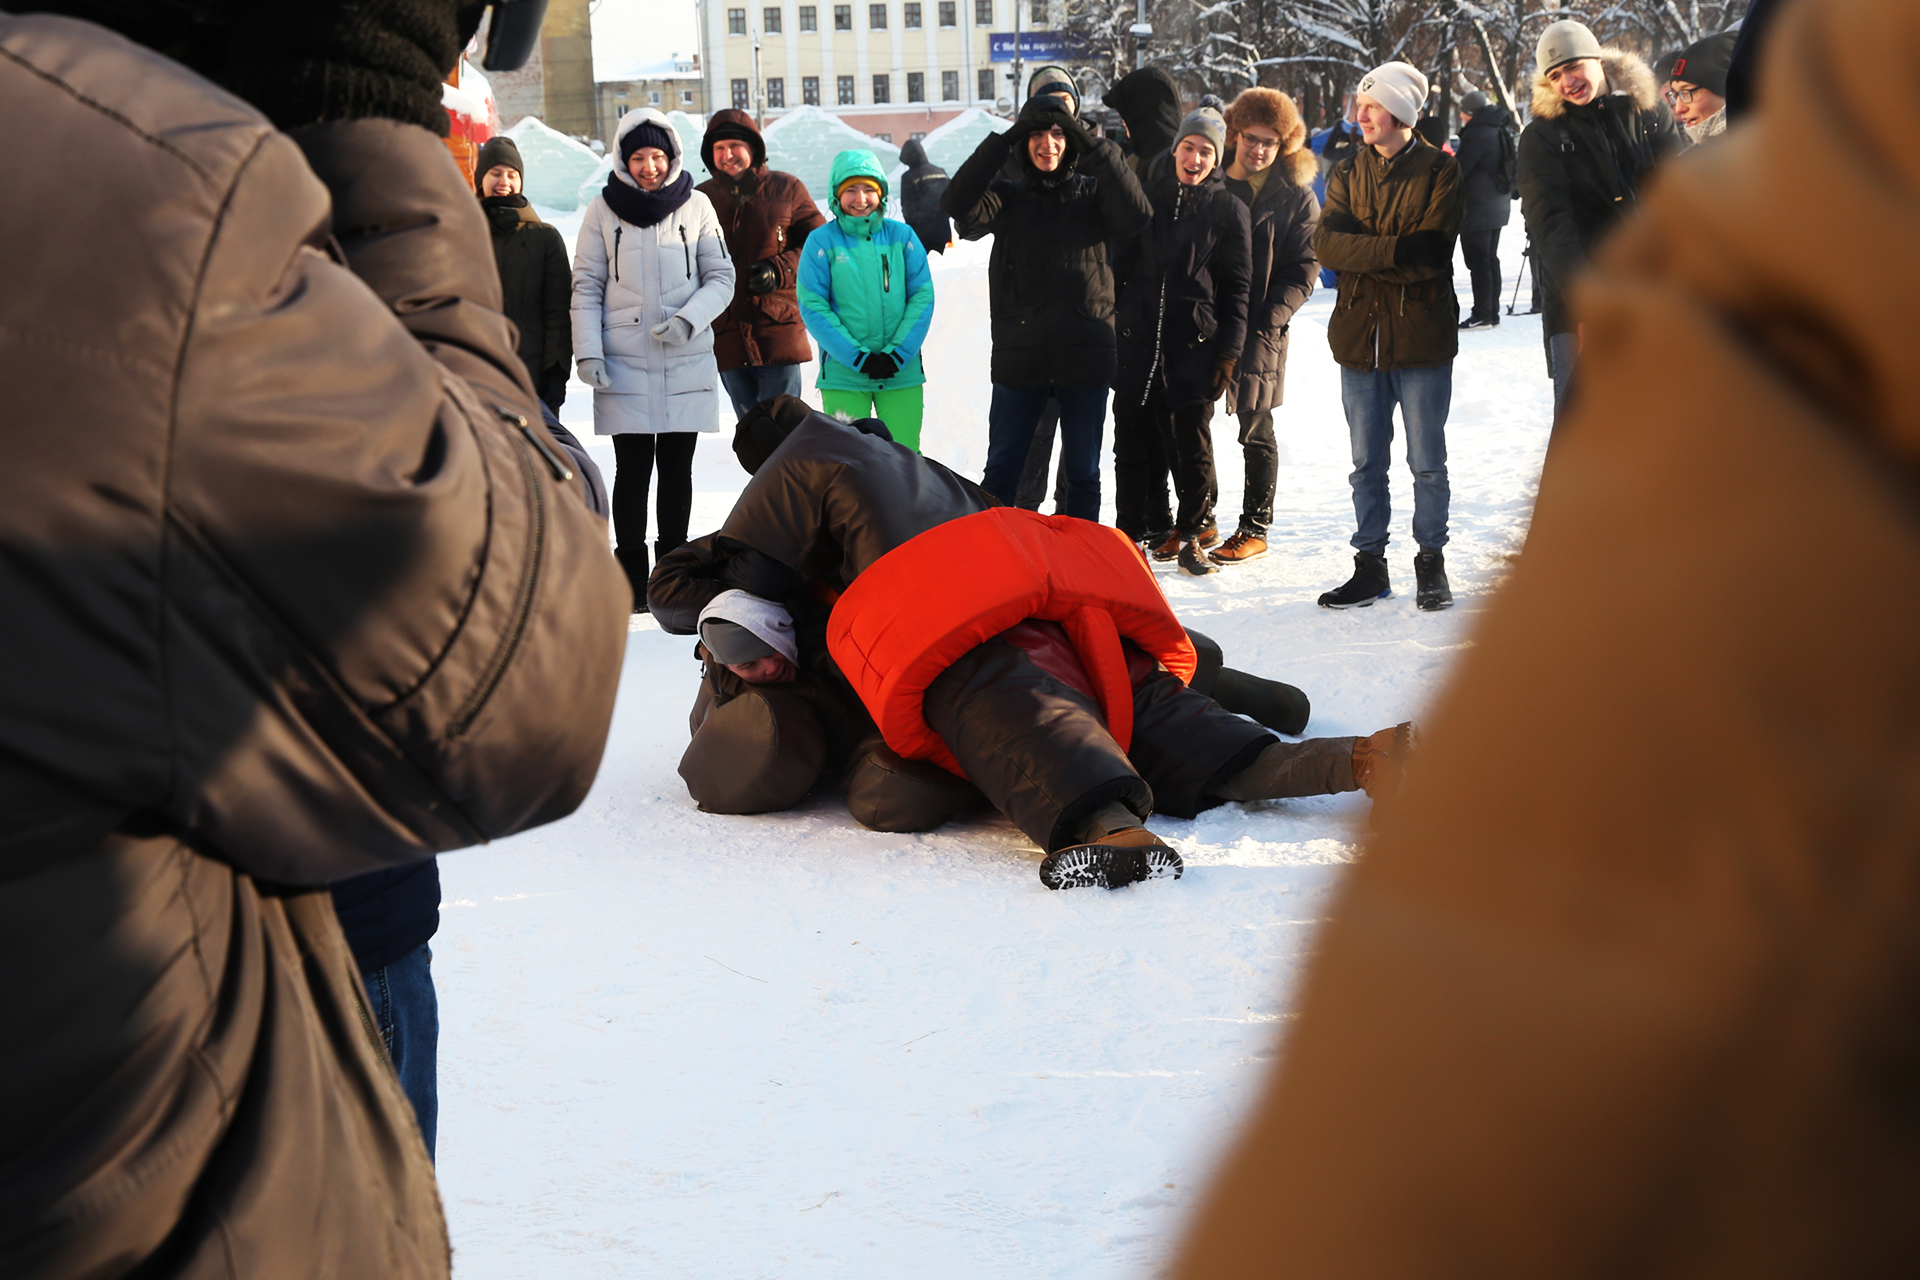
536	280
1182	323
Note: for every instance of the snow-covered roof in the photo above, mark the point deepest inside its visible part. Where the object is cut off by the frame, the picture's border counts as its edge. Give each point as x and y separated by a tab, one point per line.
617	66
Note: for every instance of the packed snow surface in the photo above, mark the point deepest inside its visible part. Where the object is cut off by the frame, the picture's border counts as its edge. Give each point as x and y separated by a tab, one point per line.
678	1044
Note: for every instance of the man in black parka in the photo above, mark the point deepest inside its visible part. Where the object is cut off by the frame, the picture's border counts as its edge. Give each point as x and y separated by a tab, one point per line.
921	189
1486	159
1050	287
1183	322
536	282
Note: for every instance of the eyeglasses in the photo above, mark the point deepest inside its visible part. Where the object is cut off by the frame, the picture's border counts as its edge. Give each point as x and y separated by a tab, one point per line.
1250	143
1681	95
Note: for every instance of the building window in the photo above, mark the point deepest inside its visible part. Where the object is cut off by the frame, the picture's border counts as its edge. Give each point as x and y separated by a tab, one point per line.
884	137
948	16
770	21
810	90
916	86
985	87
982	14
918	137
736	22
876	17
911	16
1037	12
741	100
883	88
845	85
653	97
686	97
949	86
809	17
776	92
843	17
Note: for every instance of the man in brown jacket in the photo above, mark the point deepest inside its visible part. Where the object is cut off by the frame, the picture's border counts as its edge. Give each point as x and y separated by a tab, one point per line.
295	587
1393	210
1594	1008
759	341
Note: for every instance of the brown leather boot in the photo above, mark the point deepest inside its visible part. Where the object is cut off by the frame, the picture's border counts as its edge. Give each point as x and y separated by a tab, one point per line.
1117	858
1380	758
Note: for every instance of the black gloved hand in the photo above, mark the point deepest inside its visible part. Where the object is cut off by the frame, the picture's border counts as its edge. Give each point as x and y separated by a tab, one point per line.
1222	375
1422	249
1342	223
314	60
759	574
879	366
762	277
1078	134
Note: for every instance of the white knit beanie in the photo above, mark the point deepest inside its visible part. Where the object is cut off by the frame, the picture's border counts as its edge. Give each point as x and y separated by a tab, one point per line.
1399	87
765	620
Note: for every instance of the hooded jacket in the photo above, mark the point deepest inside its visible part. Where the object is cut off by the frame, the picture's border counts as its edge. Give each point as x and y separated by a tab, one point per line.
766	216
1485	141
1578	1013
1184	290
1582	167
307	600
1284	214
1387	316
1050	287
626	280
1149	103
921	188
865	287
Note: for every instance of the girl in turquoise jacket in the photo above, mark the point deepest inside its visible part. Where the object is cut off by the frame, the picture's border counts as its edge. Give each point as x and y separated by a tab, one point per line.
867	298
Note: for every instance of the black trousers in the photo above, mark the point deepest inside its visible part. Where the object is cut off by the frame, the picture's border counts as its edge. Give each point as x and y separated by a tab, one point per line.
1040	750
636	457
1263	470
1482	252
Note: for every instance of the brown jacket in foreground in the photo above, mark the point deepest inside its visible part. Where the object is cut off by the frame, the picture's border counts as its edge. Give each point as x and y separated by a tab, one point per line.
1628	984
286	597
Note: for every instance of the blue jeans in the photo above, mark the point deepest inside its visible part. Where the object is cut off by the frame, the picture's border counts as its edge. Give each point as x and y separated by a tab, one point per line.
1010	425
408	1015
748	385
1424	396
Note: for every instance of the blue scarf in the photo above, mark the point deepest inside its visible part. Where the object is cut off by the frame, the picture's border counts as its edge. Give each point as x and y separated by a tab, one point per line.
645	208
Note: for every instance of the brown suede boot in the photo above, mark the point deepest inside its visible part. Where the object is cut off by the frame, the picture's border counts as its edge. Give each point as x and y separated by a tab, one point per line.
1379	760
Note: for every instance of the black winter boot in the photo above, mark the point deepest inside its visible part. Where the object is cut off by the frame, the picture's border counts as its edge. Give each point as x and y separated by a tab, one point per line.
1280	707
1368	583
1194	561
635	563
1431	591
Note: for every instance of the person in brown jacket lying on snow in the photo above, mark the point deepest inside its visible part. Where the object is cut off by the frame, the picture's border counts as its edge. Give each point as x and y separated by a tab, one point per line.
1593	1007
1076	751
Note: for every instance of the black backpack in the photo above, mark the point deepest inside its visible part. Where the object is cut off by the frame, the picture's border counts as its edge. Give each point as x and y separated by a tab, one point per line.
1506	174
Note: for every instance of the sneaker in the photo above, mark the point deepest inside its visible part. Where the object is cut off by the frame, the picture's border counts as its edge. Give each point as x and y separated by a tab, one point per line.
1380	758
1368	583
1240	548
1477	322
1122	857
1431	590
1164	548
1195	562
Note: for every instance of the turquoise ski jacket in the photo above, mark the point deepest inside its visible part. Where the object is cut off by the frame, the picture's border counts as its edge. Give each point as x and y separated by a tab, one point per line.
864	286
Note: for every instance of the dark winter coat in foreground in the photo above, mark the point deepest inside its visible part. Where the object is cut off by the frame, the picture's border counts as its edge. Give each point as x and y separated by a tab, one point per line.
1391	317
1577	1014
1184	288
1284	214
1582	167
765	216
536	285
1486	144
922	187
1049	283
290	595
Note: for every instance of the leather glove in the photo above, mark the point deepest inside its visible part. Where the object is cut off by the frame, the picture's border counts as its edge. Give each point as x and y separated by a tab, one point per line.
879	366
594	373
1422	249
1084	143
762	277
347	59
673	331
1222	375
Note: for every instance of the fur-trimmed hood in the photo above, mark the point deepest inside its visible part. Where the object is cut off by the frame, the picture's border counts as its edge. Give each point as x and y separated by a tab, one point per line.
1626	73
1271	109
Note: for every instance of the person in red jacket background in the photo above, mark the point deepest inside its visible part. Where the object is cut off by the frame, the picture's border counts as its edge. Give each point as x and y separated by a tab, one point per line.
765	215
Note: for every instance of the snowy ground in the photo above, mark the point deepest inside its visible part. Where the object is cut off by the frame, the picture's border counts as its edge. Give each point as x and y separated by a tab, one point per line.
685	1045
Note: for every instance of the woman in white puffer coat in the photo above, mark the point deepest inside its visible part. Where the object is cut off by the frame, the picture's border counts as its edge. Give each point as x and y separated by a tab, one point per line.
650	274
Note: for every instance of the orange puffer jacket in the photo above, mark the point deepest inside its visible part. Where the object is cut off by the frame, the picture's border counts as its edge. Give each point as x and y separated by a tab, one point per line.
931	599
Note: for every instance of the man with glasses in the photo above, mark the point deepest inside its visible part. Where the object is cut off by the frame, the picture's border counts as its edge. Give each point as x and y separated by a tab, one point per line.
1697	86
1597	131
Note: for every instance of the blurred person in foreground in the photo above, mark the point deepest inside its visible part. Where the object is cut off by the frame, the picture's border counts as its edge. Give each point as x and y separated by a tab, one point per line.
296	588
759	341
1590	1009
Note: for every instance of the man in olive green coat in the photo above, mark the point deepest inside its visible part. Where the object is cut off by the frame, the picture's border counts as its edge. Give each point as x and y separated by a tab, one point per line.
1392	213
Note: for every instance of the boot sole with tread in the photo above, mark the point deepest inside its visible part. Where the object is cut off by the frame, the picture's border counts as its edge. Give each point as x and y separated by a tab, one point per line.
1102	866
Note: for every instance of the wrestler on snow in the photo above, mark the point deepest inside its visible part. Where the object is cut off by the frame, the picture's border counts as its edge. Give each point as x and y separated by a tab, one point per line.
1047	671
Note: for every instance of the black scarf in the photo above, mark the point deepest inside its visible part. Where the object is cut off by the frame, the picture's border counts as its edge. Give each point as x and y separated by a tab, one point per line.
644	208
503	213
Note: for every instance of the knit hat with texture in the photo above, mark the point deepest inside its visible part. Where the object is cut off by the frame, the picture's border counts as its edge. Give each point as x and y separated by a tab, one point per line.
1206	123
1563	42
1705	63
1399	87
